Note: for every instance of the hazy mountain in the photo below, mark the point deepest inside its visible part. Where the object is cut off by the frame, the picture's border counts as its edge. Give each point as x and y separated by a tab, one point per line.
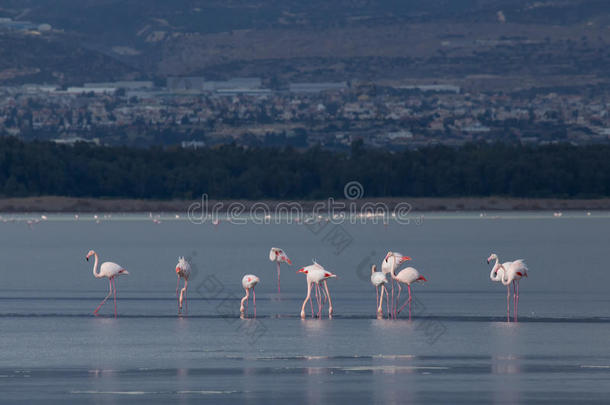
295	40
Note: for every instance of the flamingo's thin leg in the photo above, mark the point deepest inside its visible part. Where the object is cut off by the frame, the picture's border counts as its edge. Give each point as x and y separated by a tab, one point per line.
403	306
514	298
392	281
508	303
409	287
517	303
377	299
177	289
244	299
323	298
186	301
114	290
311	303
278	277
318	299
330	303
105	299
397	301
308	298
387	304
254	300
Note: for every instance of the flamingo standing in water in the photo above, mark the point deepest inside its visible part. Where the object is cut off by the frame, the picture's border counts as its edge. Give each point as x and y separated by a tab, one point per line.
183	270
508	273
378	279
407	276
109	270
248	282
317	274
389	264
278	256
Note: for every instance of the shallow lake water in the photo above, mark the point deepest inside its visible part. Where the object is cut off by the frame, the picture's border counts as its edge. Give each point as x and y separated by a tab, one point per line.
458	347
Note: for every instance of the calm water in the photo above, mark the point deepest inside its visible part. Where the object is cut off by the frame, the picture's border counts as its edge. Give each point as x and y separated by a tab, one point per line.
457	349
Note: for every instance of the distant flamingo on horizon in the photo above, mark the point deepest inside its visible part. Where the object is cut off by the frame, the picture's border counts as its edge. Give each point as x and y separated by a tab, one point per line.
378	279
406	276
278	256
317	274
183	270
508	273
248	282
109	270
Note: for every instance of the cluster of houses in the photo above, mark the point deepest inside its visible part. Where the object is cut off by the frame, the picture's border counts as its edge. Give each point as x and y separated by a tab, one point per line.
333	113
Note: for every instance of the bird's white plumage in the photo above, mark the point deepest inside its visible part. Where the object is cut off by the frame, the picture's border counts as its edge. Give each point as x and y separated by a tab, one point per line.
110	269
391	261
378	278
408	276
249	281
278	255
183	268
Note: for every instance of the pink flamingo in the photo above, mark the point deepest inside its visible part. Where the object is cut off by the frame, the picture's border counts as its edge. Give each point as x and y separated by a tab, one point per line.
109	270
407	276
248	282
317	274
278	256
508	273
183	270
389	264
378	279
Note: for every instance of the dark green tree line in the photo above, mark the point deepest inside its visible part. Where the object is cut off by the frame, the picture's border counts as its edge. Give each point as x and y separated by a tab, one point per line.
229	171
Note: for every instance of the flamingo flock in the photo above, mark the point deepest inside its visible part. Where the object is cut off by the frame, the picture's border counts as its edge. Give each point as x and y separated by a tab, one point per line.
508	273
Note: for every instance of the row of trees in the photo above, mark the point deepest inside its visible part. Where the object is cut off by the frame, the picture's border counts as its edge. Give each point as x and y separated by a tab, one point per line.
229	171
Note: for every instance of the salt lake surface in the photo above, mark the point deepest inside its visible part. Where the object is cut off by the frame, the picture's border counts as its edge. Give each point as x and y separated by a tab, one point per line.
457	349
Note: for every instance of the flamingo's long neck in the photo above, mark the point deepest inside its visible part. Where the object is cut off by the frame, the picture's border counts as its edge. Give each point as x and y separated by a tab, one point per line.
392	273
506	279
95	270
494	275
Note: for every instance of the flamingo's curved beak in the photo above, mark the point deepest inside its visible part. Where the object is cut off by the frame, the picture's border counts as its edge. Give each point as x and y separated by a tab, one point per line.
301	270
405	258
288	261
87	258
488	261
422	278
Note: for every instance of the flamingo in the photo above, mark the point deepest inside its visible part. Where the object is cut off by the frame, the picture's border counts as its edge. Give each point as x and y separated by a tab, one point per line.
278	256
183	270
109	270
407	276
378	278
389	264
507	273
248	282
317	274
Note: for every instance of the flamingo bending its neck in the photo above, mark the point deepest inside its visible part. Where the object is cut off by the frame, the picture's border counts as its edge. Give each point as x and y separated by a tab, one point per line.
278	256
248	282
406	276
109	270
316	274
378	279
183	270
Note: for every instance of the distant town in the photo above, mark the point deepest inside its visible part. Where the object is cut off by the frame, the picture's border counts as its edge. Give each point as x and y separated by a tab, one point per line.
194	112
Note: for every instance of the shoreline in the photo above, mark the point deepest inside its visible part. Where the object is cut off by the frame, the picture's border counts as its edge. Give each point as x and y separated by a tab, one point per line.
53	204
